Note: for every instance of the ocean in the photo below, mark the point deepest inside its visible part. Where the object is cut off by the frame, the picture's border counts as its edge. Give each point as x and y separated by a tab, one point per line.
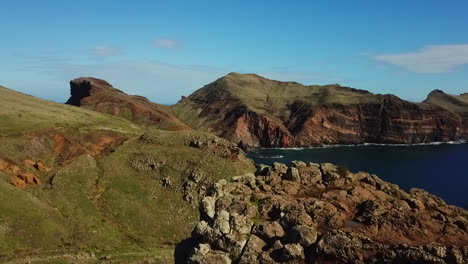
440	168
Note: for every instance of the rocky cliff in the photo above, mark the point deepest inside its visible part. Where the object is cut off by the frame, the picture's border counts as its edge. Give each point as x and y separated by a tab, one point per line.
321	213
99	95
257	111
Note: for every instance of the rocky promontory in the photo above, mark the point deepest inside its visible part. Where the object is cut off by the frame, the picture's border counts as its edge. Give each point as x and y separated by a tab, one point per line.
322	213
99	95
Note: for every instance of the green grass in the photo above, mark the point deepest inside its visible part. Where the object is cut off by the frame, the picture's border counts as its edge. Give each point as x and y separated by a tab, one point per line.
97	204
107	204
21	113
457	104
264	96
260	92
161	255
27	222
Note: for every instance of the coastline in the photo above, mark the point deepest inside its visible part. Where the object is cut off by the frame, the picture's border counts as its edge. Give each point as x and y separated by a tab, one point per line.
456	142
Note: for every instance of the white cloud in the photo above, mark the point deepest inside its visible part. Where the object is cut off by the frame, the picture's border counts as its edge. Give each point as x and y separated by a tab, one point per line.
166	43
105	51
429	59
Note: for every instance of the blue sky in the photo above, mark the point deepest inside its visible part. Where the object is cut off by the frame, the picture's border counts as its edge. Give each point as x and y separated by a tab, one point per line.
166	49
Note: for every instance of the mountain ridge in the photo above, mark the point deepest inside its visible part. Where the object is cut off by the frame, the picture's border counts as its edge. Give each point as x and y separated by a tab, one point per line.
99	95
258	112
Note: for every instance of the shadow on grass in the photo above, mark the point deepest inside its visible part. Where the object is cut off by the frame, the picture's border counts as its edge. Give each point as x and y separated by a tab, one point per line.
183	249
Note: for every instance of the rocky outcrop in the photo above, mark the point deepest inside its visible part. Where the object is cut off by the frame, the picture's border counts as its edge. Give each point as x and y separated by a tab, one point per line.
95	144
321	213
19	176
64	149
99	95
255	111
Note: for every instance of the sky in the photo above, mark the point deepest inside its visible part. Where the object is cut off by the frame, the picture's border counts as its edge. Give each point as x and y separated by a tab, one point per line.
166	49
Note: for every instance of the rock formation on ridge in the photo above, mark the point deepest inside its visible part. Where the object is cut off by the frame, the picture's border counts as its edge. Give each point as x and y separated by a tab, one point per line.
99	95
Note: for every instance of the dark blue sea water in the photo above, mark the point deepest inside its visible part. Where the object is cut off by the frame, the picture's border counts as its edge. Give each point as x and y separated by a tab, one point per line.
441	169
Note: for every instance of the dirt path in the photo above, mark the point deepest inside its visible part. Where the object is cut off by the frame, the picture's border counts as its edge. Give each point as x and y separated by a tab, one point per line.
161	255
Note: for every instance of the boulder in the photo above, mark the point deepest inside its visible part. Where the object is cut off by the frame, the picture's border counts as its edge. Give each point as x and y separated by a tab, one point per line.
203	254
302	234
268	230
330	172
208	207
292	174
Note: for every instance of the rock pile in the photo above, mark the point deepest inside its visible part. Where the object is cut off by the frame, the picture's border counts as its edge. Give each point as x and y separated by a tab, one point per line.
222	147
321	213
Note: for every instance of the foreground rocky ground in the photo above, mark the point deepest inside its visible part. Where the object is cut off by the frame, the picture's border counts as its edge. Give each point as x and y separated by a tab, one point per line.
321	213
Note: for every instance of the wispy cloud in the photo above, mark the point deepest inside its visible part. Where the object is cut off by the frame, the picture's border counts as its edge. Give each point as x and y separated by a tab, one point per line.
105	51
160	82
429	59
166	43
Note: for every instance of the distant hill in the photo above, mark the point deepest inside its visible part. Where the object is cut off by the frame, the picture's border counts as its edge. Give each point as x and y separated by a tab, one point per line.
257	111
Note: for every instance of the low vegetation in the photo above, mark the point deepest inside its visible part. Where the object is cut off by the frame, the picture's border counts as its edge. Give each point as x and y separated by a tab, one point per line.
92	200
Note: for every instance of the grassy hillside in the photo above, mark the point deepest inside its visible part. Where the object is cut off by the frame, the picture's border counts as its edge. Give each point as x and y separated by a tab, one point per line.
264	96
457	104
20	113
261	94
107	191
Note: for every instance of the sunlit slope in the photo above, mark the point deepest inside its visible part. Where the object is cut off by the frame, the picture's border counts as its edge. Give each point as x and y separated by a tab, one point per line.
267	96
255	111
457	104
104	187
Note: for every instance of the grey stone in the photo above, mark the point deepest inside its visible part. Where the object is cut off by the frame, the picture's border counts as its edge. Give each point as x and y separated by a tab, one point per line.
207	207
292	174
221	222
302	234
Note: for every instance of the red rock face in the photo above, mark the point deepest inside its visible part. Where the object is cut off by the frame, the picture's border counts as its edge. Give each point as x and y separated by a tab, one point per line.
253	129
392	121
315	119
100	96
388	122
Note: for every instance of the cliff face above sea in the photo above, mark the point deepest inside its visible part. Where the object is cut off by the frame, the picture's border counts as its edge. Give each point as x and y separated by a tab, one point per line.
322	213
258	112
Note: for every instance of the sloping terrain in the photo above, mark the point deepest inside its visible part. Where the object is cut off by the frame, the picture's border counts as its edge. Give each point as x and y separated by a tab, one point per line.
457	104
255	111
99	95
79	186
